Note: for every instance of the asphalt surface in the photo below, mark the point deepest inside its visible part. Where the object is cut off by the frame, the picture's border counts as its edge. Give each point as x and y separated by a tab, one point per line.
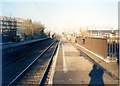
74	68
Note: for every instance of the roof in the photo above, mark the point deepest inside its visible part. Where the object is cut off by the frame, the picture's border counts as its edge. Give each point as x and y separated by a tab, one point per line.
103	31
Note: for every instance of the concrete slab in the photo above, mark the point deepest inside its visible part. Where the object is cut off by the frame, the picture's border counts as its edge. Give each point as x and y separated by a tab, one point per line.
79	70
112	67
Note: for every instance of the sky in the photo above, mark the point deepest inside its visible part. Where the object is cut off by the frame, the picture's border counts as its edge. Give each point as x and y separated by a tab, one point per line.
65	15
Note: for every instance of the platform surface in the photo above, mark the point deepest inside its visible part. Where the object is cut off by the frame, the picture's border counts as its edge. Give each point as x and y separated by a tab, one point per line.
73	68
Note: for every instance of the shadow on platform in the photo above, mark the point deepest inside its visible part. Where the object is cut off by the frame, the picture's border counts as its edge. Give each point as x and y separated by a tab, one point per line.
96	76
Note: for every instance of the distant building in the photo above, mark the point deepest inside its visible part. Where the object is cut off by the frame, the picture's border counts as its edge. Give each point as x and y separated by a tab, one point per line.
20	31
104	33
9	28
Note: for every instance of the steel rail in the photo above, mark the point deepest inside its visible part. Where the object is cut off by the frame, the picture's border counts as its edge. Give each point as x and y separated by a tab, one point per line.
30	64
43	79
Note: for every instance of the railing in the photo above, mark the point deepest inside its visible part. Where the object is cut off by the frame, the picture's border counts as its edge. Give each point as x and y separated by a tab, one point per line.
113	48
105	47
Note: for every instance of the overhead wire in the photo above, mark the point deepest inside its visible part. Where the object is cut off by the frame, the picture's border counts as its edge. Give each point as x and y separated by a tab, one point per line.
40	10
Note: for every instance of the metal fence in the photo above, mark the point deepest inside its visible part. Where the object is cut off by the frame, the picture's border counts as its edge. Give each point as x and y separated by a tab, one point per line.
113	48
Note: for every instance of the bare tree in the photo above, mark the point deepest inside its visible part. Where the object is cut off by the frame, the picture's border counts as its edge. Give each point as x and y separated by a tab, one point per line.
27	26
84	31
38	28
33	29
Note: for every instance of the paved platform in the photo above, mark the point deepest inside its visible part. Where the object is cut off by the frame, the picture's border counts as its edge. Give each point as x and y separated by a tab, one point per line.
111	67
16	44
73	68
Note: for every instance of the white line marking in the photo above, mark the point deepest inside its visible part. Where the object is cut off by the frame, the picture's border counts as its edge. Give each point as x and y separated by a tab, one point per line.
107	61
64	61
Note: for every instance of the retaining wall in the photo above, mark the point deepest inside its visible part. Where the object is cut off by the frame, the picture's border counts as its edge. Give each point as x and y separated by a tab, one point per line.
10	48
97	45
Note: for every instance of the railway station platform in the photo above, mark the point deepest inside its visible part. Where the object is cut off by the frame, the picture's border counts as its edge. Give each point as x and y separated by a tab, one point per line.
12	44
73	67
112	67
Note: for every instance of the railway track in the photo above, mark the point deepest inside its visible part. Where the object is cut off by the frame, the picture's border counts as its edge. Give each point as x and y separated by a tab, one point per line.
9	72
35	72
12	57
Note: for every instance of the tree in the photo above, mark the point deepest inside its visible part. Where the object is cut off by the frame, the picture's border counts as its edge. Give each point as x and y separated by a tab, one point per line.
84	32
27	26
33	29
38	28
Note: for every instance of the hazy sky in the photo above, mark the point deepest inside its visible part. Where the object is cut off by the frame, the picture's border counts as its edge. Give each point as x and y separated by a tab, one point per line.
65	15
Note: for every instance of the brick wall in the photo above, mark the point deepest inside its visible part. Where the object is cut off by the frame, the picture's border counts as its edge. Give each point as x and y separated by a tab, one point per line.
97	45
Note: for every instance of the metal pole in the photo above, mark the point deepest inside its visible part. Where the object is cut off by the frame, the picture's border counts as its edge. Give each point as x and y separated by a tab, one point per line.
112	48
109	48
115	47
32	33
